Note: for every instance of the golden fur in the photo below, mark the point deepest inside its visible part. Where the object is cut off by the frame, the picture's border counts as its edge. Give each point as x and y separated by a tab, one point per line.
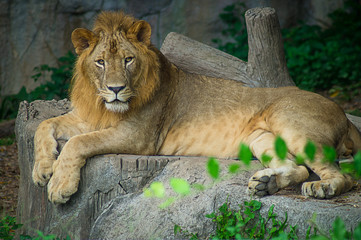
128	98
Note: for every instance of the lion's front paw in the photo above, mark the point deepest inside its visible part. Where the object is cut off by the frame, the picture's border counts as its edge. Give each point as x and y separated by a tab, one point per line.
42	172
263	183
63	183
319	189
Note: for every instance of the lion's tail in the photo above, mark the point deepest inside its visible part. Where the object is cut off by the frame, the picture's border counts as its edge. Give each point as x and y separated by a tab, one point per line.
355	136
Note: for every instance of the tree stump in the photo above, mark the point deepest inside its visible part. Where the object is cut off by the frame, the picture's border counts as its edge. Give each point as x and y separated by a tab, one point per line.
109	203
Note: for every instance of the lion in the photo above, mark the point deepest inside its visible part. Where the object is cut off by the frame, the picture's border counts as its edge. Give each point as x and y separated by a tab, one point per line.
128	98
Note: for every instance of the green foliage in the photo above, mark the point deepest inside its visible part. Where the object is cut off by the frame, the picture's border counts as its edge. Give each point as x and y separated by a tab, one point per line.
57	88
245	223
321	59
233	17
265	159
213	168
281	148
329	154
338	231
248	223
310	150
245	154
180	186
42	236
7	140
316	58
8	226
156	189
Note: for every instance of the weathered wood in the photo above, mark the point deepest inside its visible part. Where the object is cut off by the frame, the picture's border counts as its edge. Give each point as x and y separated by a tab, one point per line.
266	65
199	58
266	58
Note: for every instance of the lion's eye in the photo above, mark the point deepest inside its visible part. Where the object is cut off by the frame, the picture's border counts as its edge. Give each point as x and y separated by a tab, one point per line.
100	62
128	60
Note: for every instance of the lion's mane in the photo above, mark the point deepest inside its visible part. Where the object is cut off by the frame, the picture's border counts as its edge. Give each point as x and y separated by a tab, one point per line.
83	93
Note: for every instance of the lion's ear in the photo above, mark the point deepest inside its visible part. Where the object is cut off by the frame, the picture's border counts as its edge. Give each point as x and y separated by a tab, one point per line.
81	39
140	31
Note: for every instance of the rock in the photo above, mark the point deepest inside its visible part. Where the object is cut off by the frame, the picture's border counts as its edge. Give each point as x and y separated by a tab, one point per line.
110	204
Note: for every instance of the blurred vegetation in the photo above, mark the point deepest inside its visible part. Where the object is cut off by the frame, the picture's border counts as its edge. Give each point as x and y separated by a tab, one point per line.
56	88
317	59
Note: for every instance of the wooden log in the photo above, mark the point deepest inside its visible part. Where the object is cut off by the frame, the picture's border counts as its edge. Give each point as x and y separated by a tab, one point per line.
266	65
199	58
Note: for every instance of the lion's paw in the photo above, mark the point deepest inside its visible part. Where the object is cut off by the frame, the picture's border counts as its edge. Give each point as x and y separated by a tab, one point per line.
263	183
42	172
63	184
319	189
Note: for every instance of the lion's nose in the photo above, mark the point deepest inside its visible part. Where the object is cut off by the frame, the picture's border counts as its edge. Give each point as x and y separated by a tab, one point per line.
116	89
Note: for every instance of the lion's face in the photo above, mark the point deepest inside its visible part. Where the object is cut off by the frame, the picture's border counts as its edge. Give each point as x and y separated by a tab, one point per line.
116	63
113	68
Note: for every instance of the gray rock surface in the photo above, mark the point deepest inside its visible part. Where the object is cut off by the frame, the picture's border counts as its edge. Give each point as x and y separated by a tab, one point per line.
110	204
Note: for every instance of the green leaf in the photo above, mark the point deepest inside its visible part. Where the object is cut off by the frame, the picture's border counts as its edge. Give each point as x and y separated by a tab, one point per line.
357	163
157	189
357	232
213	168
148	192
299	159
245	154
180	186
167	202
177	229
281	148
233	168
310	150
265	159
329	154
198	186
339	231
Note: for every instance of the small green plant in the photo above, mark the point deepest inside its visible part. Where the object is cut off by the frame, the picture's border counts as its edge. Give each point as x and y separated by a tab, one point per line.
57	88
42	236
8	226
247	223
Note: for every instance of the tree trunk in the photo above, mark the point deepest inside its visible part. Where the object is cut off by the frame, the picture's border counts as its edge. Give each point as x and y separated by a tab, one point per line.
266	58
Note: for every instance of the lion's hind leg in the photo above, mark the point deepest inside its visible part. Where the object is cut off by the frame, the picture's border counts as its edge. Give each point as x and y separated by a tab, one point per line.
332	182
279	174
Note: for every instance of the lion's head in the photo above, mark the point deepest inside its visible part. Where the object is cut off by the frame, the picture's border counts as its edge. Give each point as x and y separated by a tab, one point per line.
117	70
